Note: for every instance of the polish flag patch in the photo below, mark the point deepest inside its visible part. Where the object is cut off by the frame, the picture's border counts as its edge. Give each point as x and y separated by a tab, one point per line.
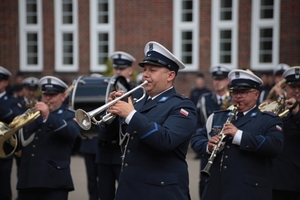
75	120
278	128
184	112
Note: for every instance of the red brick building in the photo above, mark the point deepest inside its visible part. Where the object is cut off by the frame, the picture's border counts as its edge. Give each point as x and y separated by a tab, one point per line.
69	38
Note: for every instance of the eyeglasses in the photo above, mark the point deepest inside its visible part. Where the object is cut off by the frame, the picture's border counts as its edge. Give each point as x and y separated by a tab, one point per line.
242	93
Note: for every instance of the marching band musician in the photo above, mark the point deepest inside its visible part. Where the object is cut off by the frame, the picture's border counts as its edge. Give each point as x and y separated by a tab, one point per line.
109	152
286	166
155	132
9	109
242	168
218	99
44	171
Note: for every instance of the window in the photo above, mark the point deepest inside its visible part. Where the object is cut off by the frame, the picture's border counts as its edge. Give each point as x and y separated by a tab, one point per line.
186	34
31	38
265	34
101	33
66	35
224	33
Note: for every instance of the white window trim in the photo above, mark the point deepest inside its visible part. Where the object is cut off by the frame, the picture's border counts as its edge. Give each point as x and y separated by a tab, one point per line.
95	29
179	27
23	30
217	26
256	25
61	28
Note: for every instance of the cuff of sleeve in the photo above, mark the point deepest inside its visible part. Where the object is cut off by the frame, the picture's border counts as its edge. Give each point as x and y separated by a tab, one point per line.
129	117
238	137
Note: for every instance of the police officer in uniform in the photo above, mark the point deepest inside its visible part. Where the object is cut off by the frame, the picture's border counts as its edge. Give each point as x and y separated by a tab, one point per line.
155	132
242	169
286	173
109	152
44	171
9	109
219	99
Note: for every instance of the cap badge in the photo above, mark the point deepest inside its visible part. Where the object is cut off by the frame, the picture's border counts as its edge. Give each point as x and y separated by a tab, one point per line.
219	70
237	74
297	73
48	80
150	46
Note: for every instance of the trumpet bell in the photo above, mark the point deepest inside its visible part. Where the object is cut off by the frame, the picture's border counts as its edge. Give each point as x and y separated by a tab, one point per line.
83	119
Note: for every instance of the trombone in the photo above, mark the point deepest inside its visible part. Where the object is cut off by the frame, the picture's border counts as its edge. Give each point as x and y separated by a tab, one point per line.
86	119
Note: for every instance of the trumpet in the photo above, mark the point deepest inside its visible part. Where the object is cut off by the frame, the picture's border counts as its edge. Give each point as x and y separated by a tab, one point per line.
86	119
217	148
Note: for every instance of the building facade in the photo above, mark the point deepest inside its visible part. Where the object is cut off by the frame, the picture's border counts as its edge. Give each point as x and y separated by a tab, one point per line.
70	38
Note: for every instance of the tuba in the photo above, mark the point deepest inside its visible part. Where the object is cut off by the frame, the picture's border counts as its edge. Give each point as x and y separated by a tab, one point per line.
8	138
278	106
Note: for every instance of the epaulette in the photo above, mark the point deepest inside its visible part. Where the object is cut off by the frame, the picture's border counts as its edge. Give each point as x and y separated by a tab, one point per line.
269	113
220	111
181	96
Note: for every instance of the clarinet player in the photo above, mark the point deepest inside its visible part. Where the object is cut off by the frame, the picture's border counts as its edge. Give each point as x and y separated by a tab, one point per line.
242	169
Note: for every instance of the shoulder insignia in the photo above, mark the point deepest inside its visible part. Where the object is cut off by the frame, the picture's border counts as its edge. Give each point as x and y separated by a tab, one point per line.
270	113
253	114
60	111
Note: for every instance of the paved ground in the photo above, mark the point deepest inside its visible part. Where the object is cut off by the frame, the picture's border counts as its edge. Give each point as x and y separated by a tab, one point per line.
79	178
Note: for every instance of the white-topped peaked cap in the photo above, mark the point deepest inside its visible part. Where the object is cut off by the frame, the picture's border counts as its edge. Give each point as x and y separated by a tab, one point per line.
52	85
219	71
31	83
156	54
292	75
4	73
243	80
280	69
122	59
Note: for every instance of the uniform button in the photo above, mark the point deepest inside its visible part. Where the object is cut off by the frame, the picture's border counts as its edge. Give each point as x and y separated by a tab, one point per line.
227	146
134	132
226	156
58	167
225	167
33	146
32	155
162	183
247	147
131	138
256	184
128	151
126	165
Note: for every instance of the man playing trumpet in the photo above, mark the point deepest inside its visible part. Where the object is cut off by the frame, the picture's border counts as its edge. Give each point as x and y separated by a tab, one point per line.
242	169
286	165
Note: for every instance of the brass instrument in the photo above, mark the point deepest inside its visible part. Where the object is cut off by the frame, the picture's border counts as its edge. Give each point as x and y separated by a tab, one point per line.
8	138
279	105
217	147
86	119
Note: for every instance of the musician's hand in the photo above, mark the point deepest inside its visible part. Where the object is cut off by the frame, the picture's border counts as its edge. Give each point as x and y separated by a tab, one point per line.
229	129
213	141
292	104
43	108
122	108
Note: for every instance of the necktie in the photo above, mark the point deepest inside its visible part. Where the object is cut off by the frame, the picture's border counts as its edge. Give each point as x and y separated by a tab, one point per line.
220	101
148	100
239	115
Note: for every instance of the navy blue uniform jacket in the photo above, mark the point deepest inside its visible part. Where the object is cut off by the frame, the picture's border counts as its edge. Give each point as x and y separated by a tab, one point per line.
45	161
243	172
155	164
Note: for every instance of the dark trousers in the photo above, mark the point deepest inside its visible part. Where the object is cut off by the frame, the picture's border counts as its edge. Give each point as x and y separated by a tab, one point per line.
285	195
5	176
92	175
43	194
107	183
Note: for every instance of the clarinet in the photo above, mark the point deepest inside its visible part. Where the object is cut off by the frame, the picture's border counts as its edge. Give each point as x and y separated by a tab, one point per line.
216	149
